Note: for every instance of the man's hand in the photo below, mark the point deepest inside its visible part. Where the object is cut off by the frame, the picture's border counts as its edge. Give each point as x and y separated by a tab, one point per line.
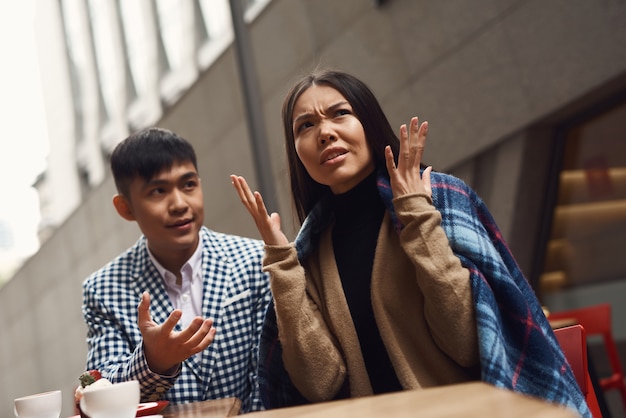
165	349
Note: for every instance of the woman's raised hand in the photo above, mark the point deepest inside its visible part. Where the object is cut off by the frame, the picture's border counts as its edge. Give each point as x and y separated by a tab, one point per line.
268	225
405	177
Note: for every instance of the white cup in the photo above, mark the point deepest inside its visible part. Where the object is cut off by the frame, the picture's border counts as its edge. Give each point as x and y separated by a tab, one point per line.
40	405
119	400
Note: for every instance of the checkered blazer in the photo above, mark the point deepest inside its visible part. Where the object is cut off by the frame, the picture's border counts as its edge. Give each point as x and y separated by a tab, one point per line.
236	294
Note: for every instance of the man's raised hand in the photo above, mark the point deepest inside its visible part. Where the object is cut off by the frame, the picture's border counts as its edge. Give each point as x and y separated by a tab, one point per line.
165	348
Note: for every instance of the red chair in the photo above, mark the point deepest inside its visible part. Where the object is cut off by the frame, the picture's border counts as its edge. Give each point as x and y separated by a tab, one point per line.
574	345
596	320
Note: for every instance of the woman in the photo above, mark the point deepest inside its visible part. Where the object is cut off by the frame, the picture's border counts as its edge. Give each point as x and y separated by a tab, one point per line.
371	297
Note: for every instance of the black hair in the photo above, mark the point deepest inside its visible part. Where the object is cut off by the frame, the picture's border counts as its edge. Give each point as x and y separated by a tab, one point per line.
305	191
147	153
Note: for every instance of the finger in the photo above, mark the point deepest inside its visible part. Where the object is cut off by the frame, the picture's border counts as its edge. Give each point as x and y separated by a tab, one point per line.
260	205
199	335
403	158
413	139
207	340
275	219
256	207
235	182
242	190
171	321
204	336
426	180
420	145
143	310
416	142
250	199
247	191
390	163
190	330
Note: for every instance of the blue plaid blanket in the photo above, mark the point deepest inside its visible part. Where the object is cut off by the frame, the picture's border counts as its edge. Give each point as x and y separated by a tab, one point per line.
518	349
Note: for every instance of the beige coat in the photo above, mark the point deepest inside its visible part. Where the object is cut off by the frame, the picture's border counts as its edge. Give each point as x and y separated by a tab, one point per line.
421	298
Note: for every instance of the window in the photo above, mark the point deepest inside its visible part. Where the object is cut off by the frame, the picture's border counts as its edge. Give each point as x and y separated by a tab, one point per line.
588	227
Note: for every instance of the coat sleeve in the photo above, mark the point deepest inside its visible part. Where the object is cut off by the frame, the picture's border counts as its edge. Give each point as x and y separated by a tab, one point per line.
276	388
318	377
445	283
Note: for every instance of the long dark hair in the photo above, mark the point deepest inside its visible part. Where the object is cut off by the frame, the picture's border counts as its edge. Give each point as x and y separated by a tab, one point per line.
305	191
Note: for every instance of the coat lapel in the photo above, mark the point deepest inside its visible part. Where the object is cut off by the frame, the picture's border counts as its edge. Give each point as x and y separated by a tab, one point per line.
217	275
149	280
217	287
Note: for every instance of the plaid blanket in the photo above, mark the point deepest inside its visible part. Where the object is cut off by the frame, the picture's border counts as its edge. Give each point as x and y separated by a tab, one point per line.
518	350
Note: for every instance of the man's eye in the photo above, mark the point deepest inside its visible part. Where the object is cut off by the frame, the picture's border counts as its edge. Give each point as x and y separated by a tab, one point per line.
191	184
157	191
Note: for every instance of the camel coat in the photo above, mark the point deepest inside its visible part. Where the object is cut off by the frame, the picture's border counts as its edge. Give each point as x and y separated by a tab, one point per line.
422	304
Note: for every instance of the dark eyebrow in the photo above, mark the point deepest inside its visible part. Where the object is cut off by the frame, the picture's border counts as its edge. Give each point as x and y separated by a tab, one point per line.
190	175
329	109
158	182
337	105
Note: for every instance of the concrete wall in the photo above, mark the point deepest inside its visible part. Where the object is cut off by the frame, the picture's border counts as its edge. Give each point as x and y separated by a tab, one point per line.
485	73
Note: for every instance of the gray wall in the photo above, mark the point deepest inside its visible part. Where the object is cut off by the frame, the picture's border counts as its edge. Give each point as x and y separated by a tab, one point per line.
485	73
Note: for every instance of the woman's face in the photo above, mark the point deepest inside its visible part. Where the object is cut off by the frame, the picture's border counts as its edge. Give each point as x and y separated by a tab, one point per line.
330	140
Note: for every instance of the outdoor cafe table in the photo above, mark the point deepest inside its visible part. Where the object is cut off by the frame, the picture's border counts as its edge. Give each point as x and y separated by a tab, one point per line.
475	399
216	408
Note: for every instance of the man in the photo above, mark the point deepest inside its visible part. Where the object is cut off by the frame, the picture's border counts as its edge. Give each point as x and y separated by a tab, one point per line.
182	309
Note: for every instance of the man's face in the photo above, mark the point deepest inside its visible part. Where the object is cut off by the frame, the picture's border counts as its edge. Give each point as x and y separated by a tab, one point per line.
169	210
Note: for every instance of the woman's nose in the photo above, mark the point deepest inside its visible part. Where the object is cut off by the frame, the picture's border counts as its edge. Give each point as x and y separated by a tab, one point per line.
326	134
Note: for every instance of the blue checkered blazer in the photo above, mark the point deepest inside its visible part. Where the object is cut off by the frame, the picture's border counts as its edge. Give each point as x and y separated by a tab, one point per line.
236	294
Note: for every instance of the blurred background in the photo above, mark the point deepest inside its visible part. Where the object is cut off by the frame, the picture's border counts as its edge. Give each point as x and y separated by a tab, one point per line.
526	101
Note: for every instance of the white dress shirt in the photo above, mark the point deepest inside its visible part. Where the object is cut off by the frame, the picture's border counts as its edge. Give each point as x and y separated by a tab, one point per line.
188	295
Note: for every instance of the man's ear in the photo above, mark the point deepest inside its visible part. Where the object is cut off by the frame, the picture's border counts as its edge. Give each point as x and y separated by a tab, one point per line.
123	207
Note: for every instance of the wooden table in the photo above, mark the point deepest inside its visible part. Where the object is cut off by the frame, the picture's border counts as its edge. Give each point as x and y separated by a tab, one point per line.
476	399
217	408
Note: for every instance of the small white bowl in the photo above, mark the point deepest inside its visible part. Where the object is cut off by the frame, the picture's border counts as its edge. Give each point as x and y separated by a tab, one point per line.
40	405
119	400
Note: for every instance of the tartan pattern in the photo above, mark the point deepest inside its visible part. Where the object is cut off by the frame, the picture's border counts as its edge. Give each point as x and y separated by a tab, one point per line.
236	294
518	349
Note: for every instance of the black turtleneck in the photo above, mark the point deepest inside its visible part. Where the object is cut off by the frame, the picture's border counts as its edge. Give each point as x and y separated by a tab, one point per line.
358	216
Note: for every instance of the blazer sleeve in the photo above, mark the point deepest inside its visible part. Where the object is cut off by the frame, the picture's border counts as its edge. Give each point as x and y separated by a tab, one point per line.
114	342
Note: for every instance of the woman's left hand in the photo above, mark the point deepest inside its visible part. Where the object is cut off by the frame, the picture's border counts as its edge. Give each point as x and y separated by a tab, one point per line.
405	177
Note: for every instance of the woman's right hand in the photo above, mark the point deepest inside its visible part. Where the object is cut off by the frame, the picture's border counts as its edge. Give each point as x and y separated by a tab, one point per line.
268	225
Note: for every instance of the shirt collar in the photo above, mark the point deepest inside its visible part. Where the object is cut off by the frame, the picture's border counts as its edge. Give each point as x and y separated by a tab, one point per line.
194	263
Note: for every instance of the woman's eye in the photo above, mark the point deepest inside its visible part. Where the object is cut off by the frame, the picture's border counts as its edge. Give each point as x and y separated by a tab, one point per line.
303	126
343	112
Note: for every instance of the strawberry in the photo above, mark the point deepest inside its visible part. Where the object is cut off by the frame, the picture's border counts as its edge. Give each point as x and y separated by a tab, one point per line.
89	377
